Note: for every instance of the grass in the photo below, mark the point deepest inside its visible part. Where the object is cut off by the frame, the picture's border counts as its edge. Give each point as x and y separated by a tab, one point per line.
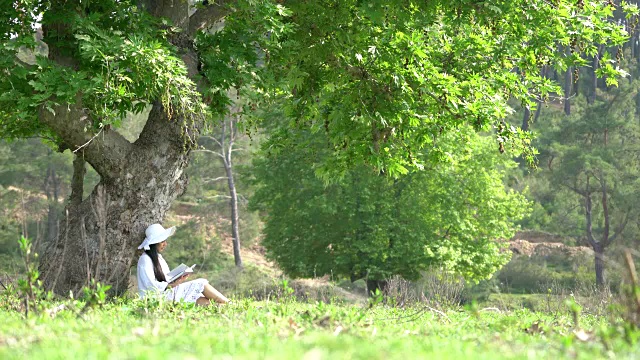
288	329
280	327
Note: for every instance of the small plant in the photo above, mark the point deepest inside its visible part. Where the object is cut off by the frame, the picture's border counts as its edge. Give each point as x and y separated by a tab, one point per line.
94	295
149	305
287	291
575	310
30	287
376	298
9	298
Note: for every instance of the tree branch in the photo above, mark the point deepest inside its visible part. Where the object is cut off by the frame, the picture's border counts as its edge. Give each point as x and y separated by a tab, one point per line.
212	138
215	179
209	152
618	230
575	189
70	121
218	196
209	15
166	128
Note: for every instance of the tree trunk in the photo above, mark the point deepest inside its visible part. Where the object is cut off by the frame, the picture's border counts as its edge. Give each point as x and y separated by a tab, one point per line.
636	44
77	180
138	183
591	98
538	110
599	265
52	191
376	285
568	80
525	118
600	246
235	233
632	44
568	84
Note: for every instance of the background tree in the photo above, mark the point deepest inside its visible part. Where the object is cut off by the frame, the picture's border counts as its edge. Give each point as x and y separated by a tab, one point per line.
591	162
369	225
224	140
32	168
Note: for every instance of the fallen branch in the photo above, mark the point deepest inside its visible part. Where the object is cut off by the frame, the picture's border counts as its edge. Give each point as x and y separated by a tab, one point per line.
417	314
439	313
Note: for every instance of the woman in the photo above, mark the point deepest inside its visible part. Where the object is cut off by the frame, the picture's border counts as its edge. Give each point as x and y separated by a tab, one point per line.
152	270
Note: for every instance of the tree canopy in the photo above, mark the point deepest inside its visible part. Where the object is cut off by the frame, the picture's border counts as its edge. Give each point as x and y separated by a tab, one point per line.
370	225
383	79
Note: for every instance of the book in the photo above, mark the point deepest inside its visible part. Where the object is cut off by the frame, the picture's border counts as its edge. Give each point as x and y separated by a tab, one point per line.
180	270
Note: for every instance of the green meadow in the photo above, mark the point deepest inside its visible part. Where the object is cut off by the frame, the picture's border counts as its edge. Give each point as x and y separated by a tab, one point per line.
288	329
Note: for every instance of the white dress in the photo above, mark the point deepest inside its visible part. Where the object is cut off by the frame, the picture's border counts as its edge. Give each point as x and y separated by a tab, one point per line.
189	291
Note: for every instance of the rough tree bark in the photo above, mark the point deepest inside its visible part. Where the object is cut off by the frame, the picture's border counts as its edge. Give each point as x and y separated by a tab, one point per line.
77	180
139	181
598	251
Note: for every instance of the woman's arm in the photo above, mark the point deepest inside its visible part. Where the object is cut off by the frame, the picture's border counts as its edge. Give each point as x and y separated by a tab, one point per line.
165	270
146	276
178	281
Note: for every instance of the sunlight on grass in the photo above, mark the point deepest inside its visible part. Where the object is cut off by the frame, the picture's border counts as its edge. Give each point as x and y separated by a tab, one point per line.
294	330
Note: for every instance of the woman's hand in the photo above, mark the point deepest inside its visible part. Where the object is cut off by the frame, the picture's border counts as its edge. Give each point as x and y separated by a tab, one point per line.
179	280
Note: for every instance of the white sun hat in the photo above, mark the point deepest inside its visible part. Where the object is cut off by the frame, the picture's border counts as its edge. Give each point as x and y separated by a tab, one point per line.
156	234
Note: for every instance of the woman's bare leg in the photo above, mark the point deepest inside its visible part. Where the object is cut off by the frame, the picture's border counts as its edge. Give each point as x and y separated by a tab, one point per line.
212	294
203	301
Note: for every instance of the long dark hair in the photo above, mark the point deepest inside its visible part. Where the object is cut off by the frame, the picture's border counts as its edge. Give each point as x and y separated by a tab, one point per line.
157	269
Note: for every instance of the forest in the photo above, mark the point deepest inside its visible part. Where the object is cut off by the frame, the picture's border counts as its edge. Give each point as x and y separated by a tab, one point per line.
447	179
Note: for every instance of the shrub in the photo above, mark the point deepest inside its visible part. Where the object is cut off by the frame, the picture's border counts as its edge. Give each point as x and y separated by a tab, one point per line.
526	275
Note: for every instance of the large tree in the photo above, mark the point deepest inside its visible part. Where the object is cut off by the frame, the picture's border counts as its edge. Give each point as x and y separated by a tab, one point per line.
369	225
106	59
384	79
